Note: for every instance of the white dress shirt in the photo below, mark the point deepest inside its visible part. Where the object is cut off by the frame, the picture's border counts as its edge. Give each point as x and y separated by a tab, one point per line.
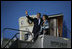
38	21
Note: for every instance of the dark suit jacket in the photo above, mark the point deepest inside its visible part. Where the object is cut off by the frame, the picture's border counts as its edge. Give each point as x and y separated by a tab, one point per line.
36	27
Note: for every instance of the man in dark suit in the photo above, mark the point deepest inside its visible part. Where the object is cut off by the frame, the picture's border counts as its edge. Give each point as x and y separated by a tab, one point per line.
37	22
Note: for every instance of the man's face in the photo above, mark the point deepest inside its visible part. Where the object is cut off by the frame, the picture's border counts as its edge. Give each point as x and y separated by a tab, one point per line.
38	15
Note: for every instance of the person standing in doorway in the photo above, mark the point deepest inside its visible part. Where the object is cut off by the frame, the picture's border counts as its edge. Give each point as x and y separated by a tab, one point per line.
37	22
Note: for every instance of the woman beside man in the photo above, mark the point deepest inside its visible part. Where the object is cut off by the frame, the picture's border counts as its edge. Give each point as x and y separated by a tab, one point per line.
45	25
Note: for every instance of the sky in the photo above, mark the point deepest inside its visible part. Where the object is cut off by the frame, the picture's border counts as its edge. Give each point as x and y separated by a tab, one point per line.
11	11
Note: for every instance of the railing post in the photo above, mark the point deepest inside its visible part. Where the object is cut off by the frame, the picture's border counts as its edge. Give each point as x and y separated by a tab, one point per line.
3	35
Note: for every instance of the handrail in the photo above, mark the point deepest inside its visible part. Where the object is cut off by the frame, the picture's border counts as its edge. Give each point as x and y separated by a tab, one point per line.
11	39
14	30
15	34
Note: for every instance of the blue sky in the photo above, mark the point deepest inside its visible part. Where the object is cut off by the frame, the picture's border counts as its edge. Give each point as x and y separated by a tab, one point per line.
11	11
